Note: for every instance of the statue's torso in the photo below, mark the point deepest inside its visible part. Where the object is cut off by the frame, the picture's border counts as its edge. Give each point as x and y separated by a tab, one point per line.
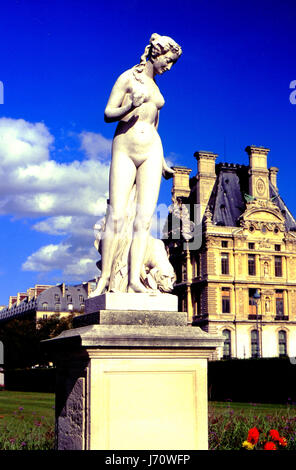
136	133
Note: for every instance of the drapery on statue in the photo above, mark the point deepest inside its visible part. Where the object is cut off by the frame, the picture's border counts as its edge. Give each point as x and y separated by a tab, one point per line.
136	166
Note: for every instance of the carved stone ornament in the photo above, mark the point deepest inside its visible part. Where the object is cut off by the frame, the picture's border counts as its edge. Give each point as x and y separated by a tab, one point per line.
265	243
260	186
251	219
208	216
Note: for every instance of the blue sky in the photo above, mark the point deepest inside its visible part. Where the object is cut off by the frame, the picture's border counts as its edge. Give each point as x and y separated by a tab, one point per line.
59	61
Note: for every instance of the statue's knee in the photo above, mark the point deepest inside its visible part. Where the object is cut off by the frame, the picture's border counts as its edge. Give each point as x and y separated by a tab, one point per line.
116	222
142	223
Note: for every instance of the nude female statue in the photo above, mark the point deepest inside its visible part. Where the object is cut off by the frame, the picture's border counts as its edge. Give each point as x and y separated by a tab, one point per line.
137	155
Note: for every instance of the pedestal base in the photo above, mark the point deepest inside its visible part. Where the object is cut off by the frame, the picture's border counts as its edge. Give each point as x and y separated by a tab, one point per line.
132	386
132	302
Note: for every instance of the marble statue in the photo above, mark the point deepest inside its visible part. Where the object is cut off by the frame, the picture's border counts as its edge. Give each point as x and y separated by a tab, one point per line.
136	168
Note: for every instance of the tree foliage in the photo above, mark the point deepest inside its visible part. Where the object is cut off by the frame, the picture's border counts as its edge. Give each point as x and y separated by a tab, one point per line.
22	337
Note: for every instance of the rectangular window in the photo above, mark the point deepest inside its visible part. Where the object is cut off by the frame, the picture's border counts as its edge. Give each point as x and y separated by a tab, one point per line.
56	297
279	302
277	247
278	268
255	344
224	244
227	344
282	343
224	263
252	302
251	246
196	266
225	300
252	265
57	307
81	299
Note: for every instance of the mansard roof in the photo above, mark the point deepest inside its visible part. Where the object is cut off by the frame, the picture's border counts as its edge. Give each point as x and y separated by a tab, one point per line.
229	196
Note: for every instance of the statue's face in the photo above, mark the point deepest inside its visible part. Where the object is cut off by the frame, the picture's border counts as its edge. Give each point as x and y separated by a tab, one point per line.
164	62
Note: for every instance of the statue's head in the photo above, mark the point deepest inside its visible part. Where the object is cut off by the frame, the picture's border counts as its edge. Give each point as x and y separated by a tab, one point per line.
160	45
162	51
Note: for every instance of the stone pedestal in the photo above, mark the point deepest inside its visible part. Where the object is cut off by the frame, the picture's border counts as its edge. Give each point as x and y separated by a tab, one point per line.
133	380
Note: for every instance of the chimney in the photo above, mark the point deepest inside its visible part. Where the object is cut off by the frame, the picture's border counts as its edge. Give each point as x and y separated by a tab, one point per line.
206	177
12	300
258	172
181	186
273	171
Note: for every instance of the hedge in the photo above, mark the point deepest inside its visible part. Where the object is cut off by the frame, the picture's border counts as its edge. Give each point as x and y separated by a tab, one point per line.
252	380
31	380
241	380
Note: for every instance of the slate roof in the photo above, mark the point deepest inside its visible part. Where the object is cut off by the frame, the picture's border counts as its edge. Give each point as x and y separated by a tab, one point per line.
227	201
74	295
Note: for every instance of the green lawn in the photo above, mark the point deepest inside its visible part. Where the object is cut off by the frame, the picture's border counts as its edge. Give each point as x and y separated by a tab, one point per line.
38	403
252	408
26	420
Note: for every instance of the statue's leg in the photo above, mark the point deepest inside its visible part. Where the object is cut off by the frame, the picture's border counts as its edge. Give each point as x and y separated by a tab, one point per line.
121	181
148	183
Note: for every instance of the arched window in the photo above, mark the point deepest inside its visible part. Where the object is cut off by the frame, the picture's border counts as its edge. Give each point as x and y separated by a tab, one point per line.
254	343
282	343
227	344
45	306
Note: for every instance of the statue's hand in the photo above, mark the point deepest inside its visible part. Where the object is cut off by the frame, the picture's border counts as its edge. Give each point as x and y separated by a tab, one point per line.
138	99
167	172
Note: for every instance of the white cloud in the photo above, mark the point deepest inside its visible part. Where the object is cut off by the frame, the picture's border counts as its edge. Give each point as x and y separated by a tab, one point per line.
95	145
76	263
34	185
70	196
23	143
75	256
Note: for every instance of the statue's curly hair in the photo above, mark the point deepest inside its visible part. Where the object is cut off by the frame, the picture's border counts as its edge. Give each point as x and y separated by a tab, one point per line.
157	46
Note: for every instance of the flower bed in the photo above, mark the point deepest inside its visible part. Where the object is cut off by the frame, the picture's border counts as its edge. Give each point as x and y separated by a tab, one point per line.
233	428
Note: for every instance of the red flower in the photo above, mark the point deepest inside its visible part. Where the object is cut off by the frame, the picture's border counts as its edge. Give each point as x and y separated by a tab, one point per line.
274	435
269	446
253	436
282	441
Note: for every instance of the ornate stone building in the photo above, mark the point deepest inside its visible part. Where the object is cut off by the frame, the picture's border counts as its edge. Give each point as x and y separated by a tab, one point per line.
237	274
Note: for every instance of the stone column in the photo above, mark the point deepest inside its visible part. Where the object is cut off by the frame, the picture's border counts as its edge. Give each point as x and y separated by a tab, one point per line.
132	379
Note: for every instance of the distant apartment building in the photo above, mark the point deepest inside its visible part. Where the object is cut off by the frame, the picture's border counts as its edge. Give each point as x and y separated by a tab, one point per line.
41	301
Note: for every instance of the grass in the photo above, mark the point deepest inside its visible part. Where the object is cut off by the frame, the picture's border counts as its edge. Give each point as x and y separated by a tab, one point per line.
26	421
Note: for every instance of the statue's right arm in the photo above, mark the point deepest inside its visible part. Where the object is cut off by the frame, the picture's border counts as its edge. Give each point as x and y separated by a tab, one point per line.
114	110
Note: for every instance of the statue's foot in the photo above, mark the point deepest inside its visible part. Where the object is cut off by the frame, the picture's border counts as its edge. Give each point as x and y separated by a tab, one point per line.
99	289
136	287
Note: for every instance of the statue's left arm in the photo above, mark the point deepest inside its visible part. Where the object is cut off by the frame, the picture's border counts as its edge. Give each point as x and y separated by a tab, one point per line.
167	172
